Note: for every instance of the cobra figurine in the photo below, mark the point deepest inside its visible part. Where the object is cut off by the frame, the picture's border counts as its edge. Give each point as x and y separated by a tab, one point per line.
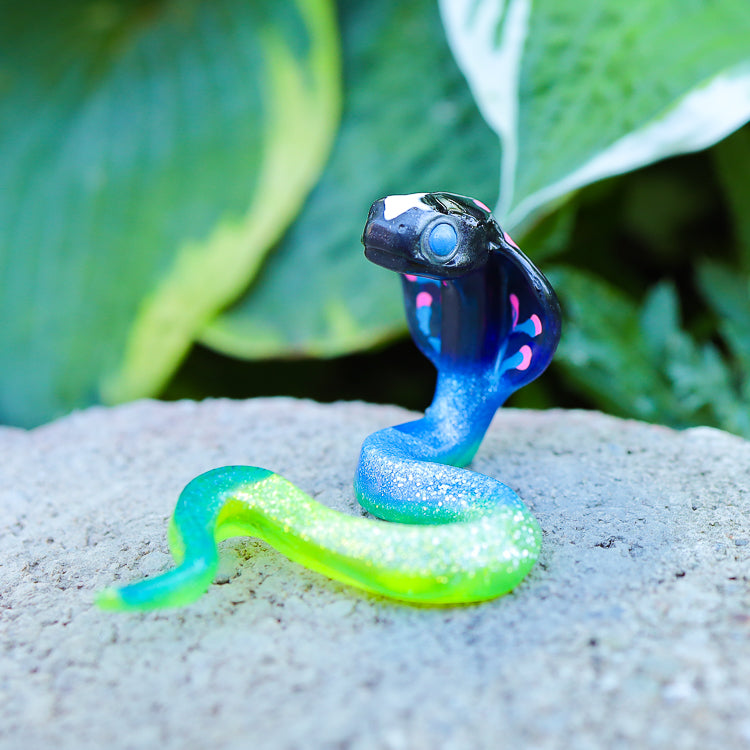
490	322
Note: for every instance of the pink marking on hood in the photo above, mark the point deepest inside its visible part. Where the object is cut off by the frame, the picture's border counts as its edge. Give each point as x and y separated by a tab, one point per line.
424	299
509	240
537	324
525	352
514	304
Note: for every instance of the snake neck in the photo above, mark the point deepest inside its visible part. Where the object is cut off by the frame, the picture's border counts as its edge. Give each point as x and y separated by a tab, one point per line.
455	423
408	473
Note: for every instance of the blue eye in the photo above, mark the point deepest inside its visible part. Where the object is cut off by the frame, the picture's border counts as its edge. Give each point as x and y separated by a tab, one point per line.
442	239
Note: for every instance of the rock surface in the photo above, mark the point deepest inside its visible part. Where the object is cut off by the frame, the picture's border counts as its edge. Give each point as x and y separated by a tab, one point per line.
633	631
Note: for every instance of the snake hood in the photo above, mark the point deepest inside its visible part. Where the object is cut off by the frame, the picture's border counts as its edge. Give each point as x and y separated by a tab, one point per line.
473	300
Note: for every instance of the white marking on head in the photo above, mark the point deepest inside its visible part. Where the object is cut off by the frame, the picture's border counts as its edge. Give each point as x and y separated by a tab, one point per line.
395	205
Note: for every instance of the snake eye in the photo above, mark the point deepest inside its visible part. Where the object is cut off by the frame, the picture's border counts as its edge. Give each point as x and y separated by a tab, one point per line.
442	240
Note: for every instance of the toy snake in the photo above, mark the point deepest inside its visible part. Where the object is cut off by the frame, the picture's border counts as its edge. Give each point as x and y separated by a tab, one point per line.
490	322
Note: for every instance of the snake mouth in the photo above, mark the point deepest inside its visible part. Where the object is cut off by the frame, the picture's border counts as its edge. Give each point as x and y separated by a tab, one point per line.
385	259
387	243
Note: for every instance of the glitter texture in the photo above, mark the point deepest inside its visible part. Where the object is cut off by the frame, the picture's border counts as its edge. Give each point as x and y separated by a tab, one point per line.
449	534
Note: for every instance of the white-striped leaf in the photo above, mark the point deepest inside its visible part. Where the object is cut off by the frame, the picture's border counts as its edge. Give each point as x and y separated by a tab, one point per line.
150	154
582	91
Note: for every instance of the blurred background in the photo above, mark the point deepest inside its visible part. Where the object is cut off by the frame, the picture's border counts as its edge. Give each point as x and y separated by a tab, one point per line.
183	187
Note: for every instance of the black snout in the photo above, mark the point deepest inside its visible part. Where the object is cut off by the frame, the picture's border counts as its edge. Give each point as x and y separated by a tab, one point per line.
391	243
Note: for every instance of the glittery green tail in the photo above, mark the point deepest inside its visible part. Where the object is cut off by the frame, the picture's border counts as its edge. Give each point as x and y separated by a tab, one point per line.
463	561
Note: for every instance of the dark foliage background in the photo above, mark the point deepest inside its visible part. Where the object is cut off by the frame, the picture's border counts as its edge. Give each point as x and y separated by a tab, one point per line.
184	185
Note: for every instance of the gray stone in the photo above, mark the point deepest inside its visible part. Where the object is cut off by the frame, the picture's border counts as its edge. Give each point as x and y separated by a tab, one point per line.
632	631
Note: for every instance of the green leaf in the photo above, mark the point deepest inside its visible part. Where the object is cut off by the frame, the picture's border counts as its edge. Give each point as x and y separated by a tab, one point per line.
640	363
659	319
728	293
602	349
150	153
582	91
409	124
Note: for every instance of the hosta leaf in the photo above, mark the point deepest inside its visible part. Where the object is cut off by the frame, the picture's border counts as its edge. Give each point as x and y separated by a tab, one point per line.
409	124
150	153
581	91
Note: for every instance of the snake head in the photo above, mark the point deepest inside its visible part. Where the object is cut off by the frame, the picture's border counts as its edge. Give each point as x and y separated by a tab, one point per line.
437	235
473	300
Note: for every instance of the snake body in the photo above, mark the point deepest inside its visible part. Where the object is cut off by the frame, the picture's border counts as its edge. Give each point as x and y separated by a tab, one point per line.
490	322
